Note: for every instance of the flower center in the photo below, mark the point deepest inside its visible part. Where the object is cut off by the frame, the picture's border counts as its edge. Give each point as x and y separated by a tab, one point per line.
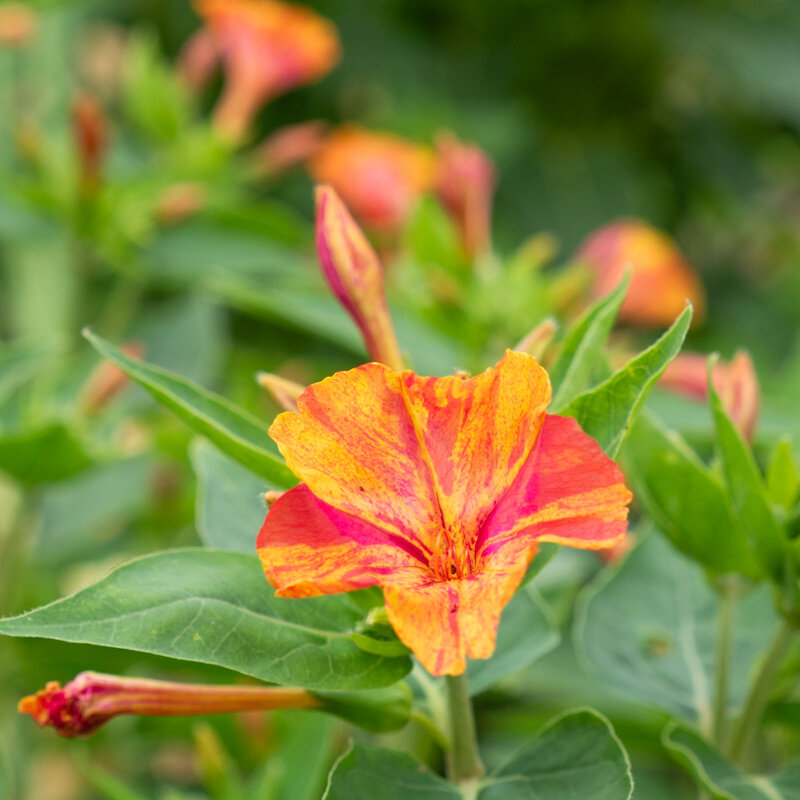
452	558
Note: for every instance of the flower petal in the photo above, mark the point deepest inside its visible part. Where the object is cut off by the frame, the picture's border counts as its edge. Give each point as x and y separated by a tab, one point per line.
478	432
445	622
568	492
308	548
354	445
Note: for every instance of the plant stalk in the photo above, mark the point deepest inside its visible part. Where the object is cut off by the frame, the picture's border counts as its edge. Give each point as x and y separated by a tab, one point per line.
463	760
725	616
745	730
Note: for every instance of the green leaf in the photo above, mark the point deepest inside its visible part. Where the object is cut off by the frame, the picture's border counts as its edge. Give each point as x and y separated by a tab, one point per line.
433	237
783	476
526	632
43	455
234	431
376	710
685	499
748	494
363	771
607	412
713	773
648	631
216	607
576	755
229	510
21	361
583	346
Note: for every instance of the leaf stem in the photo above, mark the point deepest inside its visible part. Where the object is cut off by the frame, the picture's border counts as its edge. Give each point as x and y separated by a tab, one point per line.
760	690
463	760
728	592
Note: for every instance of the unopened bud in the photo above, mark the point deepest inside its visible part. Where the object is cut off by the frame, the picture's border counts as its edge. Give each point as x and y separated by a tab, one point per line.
283	391
197	60
351	267
18	24
661	278
465	182
92	698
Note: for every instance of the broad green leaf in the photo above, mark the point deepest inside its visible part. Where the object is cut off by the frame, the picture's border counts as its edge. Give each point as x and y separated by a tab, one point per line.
43	455
364	772
713	773
233	430
434	239
526	632
685	499
577	755
783	476
229	510
583	346
544	555
748	494
649	630
216	607
607	412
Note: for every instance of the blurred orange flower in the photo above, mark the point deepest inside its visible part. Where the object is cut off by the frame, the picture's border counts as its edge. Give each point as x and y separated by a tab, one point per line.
661	278
736	383
465	181
378	175
439	490
18	24
267	47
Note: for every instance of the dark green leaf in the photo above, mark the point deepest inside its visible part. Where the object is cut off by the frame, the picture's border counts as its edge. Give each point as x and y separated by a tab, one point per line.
229	509
748	495
216	607
685	499
233	430
649	631
713	773
583	347
44	455
607	412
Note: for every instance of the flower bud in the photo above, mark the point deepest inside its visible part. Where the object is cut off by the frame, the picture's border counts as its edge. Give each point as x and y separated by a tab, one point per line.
353	272
465	182
18	23
379	176
661	278
736	383
197	60
90	131
267	48
92	698
289	147
283	391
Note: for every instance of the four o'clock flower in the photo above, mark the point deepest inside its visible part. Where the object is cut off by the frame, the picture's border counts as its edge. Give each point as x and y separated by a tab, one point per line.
380	176
267	48
92	698
736	383
438	490
465	181
354	273
661	278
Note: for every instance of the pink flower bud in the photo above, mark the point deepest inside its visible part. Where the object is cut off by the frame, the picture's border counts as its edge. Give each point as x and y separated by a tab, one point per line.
661	278
736	383
465	182
92	698
354	273
197	60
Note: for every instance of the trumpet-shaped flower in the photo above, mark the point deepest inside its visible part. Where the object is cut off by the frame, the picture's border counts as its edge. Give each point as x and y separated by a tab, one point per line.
267	47
379	176
661	278
438	490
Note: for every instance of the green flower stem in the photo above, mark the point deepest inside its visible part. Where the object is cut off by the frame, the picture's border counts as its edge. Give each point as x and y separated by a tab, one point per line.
463	760
728	592
760	690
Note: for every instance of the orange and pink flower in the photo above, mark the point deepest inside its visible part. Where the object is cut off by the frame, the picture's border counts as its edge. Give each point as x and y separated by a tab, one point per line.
439	491
378	175
736	383
267	47
661	278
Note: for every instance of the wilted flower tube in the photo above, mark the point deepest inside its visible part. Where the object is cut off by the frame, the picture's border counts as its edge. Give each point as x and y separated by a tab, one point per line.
661	278
465	181
378	175
736	383
92	698
267	48
354	273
